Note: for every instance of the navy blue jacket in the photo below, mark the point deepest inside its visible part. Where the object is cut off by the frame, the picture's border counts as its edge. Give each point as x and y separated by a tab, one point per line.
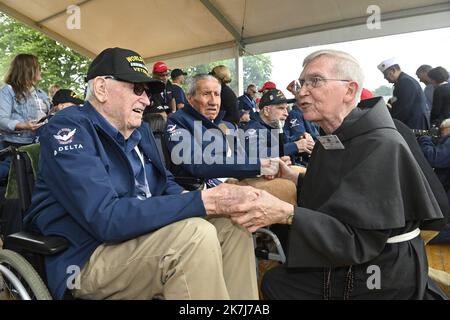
410	106
295	126
85	190
231	158
247	103
255	127
438	155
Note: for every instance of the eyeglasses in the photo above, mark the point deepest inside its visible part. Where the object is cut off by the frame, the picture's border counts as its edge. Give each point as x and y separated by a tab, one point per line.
138	88
313	82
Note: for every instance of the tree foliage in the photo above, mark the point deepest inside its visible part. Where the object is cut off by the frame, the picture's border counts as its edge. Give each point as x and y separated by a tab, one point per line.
257	70
60	65
383	91
63	66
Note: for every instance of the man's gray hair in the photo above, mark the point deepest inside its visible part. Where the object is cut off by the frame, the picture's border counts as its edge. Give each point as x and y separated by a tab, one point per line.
345	67
445	124
199	77
90	91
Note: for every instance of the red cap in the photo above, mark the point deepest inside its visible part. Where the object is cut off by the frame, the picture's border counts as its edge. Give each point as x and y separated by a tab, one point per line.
160	67
267	86
366	94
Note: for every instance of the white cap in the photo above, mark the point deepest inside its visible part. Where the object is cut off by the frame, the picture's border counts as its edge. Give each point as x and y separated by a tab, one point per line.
387	64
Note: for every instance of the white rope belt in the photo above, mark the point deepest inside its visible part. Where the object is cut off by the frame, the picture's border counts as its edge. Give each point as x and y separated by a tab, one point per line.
404	237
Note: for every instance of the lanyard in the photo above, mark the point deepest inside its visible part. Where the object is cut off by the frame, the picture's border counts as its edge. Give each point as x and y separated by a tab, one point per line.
251	102
144	187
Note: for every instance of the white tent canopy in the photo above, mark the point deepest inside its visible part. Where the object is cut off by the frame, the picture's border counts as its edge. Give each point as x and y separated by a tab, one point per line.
193	32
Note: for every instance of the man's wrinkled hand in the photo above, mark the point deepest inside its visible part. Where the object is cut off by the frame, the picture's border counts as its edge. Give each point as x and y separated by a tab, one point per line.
269	167
305	144
261	212
225	196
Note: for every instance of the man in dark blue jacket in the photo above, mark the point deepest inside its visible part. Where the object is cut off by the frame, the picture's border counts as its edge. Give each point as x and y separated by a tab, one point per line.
266	126
133	232
408	103
438	155
247	100
296	128
202	144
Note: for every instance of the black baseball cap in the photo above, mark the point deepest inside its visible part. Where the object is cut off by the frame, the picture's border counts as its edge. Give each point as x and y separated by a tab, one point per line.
176	73
125	65
273	96
65	96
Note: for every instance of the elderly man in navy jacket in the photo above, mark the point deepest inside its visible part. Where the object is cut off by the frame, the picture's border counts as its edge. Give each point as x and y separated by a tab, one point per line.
267	124
202	144
247	100
133	232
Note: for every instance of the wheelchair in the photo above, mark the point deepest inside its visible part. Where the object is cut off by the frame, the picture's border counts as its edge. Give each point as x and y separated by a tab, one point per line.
22	258
22	268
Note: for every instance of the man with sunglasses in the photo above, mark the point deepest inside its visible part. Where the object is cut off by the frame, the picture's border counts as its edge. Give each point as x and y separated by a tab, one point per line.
355	232
408	101
248	100
133	233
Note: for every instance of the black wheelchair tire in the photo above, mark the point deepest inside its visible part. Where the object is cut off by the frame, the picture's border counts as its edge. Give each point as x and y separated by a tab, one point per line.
29	277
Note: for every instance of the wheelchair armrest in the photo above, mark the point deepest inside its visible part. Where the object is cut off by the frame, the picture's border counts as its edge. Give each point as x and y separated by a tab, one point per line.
190	183
36	243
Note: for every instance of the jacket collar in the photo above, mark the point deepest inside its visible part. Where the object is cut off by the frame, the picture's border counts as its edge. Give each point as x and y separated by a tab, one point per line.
149	149
258	118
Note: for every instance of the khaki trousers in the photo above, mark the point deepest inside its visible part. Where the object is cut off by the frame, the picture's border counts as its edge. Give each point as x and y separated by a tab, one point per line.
194	258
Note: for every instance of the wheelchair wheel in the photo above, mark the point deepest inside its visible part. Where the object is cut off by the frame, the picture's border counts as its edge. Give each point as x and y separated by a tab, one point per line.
19	280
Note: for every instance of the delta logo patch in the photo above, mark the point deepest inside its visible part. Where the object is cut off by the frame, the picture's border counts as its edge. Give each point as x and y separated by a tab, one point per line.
171	128
65	135
294	123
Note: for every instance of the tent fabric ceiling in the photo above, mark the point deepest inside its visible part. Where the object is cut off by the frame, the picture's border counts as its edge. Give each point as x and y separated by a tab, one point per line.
193	31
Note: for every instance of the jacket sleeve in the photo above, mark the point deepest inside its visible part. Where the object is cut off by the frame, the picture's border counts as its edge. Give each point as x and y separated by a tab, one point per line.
79	178
296	127
290	149
6	104
172	186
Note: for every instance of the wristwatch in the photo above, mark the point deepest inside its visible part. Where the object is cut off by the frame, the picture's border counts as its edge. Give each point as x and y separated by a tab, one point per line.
289	219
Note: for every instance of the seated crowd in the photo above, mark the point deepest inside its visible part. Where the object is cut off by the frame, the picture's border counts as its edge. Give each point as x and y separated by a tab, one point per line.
361	187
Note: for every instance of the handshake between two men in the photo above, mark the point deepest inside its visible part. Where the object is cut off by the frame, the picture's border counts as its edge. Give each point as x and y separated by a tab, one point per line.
251	207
